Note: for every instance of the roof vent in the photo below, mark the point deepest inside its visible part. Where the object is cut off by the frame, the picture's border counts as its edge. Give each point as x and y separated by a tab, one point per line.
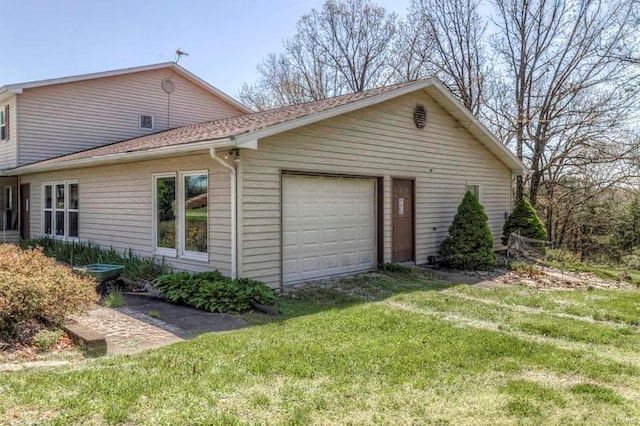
167	85
146	121
420	116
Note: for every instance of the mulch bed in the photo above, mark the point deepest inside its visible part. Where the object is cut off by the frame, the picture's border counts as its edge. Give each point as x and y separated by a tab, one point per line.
23	349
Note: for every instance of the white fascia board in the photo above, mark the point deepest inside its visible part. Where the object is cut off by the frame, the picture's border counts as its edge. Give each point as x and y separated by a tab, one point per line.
6	94
90	76
208	87
474	126
112	73
249	144
332	112
124	157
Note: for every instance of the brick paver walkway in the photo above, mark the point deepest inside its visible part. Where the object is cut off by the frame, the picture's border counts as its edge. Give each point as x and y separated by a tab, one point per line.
127	331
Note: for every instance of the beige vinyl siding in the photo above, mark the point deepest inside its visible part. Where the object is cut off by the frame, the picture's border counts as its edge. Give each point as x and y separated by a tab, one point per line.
116	206
8	153
65	118
379	141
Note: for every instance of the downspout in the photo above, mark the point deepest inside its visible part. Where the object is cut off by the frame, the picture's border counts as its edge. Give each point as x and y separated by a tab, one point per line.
234	219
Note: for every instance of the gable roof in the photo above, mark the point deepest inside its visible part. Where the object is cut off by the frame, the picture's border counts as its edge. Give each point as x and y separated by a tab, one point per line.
17	88
245	130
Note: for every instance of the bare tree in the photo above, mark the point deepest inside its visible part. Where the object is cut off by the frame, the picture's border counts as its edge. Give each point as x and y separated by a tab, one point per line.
343	47
564	91
413	50
451	43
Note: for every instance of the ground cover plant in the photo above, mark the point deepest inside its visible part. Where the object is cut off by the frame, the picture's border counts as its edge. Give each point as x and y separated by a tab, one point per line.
34	288
213	292
80	254
377	348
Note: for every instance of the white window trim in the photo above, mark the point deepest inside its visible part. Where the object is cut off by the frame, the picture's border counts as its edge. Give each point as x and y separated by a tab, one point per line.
3	123
67	200
179	252
53	209
185	254
479	185
163	251
153	122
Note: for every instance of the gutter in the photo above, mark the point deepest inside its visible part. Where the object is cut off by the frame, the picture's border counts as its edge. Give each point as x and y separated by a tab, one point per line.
118	158
234	216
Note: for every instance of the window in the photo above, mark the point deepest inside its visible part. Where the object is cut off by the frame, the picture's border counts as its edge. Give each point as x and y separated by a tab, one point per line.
10	218
188	200
60	209
165	214
4	123
146	121
475	189
195	200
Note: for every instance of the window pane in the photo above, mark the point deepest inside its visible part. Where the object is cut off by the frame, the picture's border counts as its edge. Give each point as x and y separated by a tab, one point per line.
73	224
59	196
196	212
475	190
73	196
166	212
47	197
47	223
60	223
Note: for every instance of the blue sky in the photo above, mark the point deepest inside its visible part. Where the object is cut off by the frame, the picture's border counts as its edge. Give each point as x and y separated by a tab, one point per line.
225	39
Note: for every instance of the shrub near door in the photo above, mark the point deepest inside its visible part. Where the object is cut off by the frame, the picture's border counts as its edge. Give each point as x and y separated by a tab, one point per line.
469	244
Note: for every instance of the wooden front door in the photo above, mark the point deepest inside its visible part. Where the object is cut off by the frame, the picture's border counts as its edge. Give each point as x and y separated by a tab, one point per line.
402	221
25	206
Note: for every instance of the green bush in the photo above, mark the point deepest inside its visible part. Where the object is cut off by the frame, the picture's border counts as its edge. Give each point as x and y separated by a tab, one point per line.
214	292
470	243
632	261
34	287
524	220
80	254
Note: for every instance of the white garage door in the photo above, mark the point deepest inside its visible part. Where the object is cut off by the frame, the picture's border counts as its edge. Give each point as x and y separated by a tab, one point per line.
328	226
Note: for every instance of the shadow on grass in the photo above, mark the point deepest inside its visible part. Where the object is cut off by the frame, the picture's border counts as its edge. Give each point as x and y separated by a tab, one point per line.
315	297
187	322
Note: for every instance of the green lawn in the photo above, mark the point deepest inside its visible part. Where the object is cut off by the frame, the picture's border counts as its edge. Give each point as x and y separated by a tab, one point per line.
385	349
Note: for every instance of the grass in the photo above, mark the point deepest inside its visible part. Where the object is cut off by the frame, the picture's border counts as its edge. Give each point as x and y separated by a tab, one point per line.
115	299
388	348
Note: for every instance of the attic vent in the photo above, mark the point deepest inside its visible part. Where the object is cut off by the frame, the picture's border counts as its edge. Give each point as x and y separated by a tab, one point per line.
146	121
420	116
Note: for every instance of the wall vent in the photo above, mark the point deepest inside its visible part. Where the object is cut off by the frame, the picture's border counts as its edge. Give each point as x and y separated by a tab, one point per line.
146	121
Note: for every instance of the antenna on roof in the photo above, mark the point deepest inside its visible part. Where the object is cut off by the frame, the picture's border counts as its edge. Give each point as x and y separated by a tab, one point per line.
180	54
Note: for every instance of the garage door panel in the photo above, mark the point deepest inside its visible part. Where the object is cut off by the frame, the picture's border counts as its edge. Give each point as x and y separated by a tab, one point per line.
328	226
